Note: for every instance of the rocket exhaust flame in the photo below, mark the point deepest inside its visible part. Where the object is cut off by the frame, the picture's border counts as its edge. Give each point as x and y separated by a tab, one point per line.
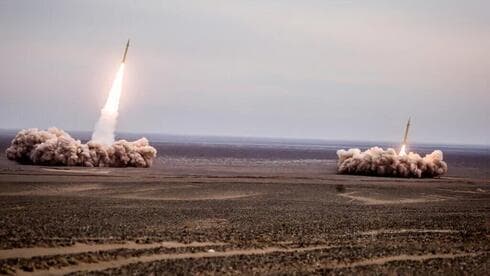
403	150
404	144
106	125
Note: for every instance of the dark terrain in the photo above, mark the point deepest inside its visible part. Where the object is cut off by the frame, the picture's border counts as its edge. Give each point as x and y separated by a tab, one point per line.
253	207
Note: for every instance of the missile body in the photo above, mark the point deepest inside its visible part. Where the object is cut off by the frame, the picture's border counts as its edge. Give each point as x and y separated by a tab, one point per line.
406	132
125	52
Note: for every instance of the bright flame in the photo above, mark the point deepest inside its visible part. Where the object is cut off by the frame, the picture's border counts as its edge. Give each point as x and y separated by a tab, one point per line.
112	103
402	151
106	125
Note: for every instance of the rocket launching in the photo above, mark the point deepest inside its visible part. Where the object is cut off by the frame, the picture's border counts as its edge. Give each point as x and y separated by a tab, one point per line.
406	132
106	125
381	162
56	147
404	143
125	52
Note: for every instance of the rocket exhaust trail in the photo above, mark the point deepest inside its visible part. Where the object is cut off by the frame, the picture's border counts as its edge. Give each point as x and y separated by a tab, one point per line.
106	125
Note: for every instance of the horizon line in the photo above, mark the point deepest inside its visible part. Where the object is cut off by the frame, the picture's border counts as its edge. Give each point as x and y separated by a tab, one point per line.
267	137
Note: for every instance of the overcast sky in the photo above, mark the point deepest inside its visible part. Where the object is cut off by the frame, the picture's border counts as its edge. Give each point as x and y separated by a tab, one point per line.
323	69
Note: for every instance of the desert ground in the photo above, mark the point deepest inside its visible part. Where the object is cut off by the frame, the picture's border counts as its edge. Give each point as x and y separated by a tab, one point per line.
243	209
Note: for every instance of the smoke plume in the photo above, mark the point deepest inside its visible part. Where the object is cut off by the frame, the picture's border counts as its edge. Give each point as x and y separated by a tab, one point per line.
56	147
105	128
106	125
380	162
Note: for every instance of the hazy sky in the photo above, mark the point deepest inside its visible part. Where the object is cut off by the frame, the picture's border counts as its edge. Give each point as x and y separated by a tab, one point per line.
298	69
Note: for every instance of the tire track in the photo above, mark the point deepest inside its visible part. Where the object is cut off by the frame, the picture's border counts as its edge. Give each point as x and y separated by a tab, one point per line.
387	259
160	257
85	248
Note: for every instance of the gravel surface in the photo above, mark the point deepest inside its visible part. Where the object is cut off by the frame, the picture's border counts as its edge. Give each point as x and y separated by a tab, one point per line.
253	216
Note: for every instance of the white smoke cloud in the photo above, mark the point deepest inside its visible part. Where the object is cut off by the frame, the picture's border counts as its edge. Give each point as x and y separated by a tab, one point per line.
105	128
380	162
56	147
106	125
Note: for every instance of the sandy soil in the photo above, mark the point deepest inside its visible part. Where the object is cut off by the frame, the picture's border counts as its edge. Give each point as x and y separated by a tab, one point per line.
226	215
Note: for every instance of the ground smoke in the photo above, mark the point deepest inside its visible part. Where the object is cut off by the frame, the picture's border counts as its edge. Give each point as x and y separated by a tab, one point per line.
56	147
380	162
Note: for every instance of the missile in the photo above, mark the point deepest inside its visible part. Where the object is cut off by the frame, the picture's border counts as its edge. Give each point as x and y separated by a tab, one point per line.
125	52
406	132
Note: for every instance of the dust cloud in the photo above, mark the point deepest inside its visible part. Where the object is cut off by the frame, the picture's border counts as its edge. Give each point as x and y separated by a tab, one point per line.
56	147
379	162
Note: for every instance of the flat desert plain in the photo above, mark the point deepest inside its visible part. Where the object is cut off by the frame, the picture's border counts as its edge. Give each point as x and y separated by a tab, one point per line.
243	209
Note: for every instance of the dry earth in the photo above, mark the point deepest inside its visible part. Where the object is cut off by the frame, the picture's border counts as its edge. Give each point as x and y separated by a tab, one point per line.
230	215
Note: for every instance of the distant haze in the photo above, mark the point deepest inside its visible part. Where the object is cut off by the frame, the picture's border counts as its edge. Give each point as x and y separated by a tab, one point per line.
352	70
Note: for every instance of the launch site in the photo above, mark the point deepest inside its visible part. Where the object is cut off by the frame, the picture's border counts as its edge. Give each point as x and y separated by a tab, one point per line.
244	138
